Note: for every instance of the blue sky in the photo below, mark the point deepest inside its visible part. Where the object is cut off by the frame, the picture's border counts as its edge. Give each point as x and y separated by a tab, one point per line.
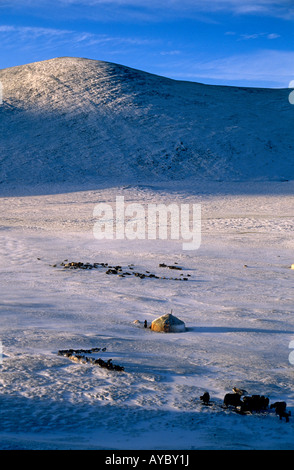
226	42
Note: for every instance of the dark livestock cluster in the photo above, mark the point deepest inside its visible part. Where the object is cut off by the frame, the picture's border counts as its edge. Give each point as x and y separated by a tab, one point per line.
249	404
78	355
122	272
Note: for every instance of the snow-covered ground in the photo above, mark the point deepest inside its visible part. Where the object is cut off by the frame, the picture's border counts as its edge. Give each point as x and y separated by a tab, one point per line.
76	133
237	306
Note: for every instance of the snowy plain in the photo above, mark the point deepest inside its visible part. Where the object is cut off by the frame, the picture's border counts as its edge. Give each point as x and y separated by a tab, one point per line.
237	303
239	324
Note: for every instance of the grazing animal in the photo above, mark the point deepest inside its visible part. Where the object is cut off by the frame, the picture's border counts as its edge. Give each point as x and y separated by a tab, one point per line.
254	403
280	408
240	391
232	399
205	398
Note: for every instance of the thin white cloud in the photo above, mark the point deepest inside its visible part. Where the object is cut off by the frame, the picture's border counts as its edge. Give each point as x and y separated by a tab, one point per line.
145	8
169	53
273	36
282	8
264	66
251	36
270	36
33	31
30	33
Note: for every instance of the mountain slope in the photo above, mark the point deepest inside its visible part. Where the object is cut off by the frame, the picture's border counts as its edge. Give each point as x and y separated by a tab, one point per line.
79	121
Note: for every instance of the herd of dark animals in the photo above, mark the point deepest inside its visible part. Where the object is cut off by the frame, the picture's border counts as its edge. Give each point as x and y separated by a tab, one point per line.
249	404
118	270
78	355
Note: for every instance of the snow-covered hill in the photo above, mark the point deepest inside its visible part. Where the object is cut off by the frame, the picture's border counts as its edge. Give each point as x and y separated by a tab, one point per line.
78	121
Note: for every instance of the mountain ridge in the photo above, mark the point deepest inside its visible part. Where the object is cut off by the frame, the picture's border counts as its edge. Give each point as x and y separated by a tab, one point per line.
81	121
